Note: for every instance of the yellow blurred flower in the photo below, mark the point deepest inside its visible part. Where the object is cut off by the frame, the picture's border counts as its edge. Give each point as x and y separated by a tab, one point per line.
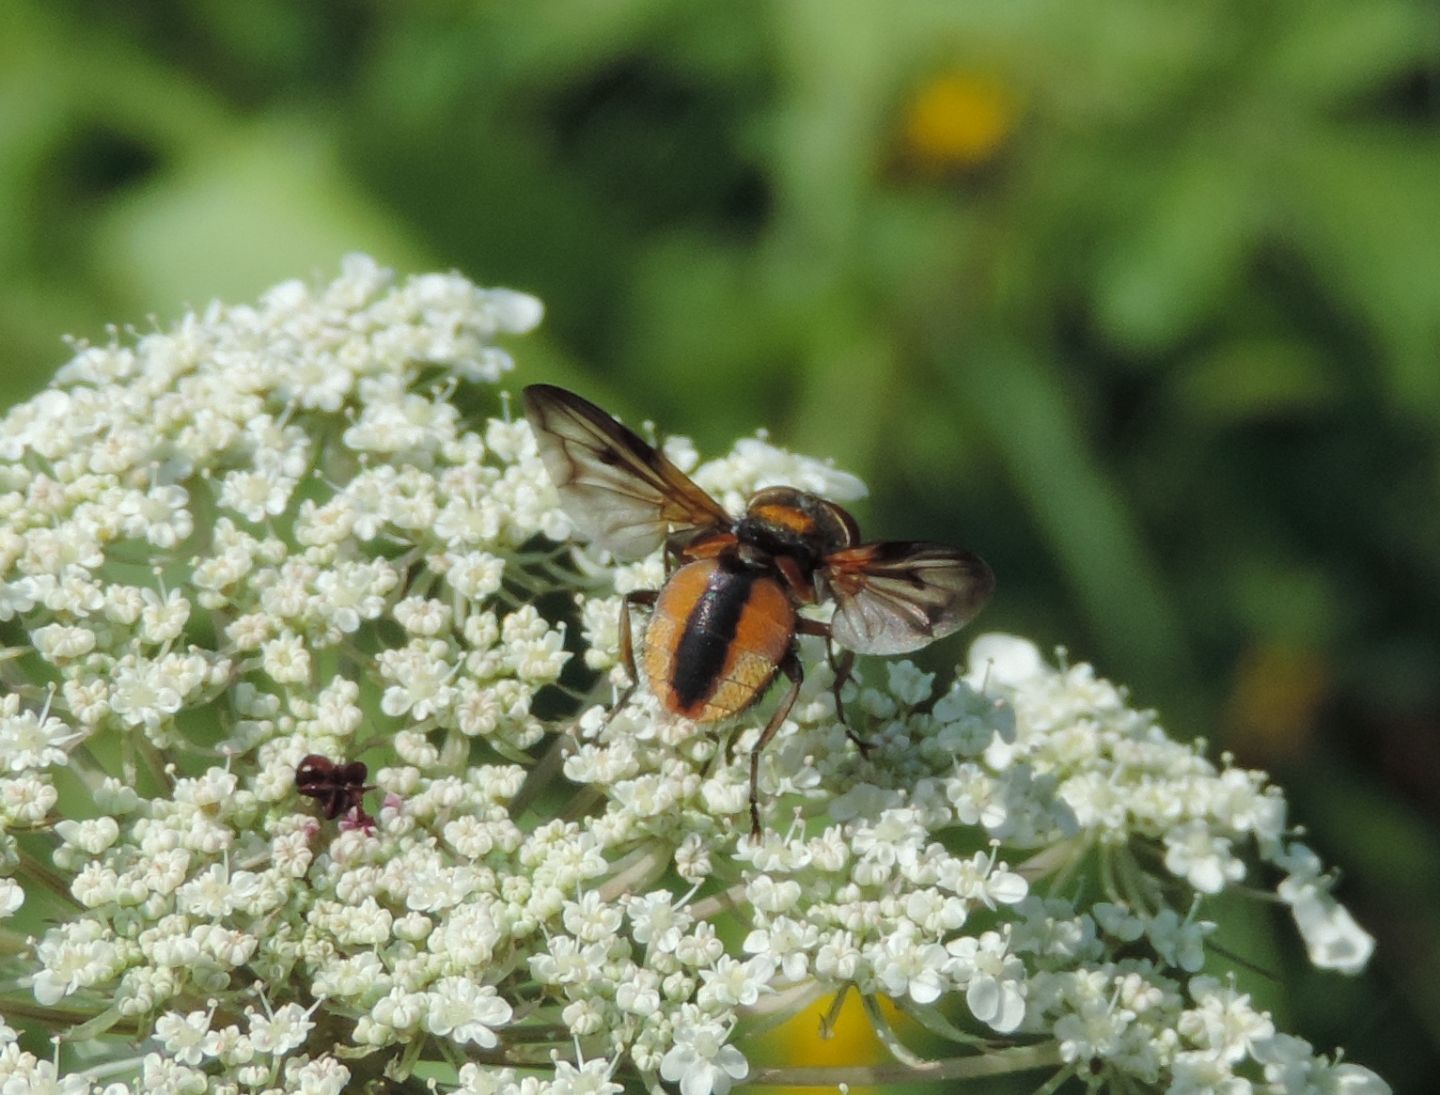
1278	691
958	120
799	1041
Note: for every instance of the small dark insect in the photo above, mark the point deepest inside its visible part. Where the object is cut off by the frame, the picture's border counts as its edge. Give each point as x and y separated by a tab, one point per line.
338	788
724	623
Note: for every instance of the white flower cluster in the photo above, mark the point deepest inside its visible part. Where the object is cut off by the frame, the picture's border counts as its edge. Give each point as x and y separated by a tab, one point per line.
273	534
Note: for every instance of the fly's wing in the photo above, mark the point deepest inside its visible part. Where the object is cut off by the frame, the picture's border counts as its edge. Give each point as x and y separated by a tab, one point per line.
622	494
893	597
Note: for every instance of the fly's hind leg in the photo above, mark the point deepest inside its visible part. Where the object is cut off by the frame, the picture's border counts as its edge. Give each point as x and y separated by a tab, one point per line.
843	666
635	597
791	668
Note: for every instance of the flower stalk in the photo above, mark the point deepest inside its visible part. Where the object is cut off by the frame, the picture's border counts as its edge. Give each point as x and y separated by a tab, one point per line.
1000	1062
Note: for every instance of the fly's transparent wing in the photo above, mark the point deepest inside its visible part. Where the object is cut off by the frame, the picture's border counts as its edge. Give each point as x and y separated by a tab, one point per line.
893	597
619	492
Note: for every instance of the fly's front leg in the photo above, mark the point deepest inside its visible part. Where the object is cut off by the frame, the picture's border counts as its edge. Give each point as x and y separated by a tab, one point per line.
842	666
635	597
791	668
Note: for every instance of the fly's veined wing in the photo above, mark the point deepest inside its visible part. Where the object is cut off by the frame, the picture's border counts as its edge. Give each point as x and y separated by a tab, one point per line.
622	494
894	597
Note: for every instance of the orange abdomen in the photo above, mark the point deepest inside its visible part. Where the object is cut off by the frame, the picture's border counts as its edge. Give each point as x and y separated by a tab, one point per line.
716	639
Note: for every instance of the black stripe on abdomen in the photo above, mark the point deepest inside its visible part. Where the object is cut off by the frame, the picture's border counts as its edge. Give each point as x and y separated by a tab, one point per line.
709	631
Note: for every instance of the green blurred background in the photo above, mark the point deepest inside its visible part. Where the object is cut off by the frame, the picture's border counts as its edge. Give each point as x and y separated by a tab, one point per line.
1141	301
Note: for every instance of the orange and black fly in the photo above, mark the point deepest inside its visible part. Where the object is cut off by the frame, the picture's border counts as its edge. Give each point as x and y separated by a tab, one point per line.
724	623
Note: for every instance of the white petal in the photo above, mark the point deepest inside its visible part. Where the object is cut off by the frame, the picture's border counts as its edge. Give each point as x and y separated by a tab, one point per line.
1332	937
1003	659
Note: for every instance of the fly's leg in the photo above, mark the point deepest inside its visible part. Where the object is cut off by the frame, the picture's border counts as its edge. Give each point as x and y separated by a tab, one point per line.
842	666
791	668
635	597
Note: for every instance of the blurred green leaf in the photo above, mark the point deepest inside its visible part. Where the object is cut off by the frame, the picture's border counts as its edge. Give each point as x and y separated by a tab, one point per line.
1078	509
267	203
1336	53
1177	259
1254	379
1368	222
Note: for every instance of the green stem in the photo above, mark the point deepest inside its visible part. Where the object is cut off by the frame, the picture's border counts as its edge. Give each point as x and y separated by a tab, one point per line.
996	1063
542	773
647	864
56	1019
12	942
717	903
54	882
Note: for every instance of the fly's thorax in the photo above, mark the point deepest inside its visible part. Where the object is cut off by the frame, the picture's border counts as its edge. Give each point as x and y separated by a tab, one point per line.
785	521
705	543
